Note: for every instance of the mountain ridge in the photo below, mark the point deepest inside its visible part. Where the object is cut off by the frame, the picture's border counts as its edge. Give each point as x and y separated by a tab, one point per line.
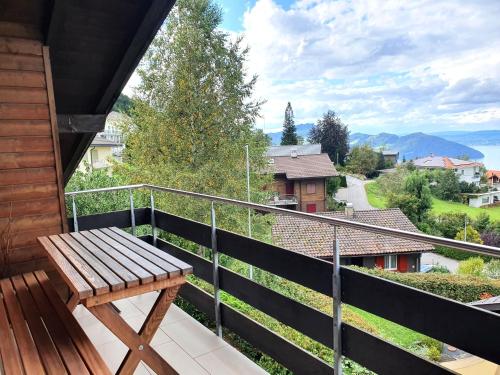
415	145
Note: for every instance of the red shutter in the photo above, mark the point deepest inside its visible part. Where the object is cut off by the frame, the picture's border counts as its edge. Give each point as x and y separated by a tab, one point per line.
379	262
311	207
402	263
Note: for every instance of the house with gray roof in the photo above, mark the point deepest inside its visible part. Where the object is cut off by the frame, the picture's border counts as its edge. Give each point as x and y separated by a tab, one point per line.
300	179
467	171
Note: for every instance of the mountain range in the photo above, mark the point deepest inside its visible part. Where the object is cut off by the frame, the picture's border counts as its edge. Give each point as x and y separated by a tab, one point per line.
411	146
415	145
474	138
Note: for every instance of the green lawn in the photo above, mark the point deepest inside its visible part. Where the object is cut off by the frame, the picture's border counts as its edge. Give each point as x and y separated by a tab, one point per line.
439	206
393	332
374	194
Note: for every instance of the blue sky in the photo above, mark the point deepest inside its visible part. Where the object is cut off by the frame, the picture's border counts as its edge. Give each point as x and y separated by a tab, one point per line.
382	65
387	65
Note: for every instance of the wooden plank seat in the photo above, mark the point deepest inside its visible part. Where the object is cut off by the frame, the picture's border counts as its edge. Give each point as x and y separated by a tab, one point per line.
38	333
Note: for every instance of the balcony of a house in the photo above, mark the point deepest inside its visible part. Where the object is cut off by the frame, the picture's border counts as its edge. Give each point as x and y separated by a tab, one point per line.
191	348
288	200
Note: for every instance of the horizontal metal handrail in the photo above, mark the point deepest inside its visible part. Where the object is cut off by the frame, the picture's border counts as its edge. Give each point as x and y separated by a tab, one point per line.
416	236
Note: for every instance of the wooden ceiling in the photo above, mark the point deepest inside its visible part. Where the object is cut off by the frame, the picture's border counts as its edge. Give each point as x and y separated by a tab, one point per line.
95	46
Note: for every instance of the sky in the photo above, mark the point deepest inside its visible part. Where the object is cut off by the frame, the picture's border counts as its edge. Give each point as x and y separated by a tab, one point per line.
382	66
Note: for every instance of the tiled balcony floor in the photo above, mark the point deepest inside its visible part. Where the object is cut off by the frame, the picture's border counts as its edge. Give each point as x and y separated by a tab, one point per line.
187	345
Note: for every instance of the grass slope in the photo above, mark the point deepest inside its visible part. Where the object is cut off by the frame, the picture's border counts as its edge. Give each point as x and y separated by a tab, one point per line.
377	200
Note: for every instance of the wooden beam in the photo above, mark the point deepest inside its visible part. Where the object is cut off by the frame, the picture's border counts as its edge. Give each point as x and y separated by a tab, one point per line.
81	123
143	36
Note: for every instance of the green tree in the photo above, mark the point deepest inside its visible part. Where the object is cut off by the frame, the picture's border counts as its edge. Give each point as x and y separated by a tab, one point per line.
447	185
333	135
289	135
123	104
482	222
190	125
471	267
469	235
415	201
88	204
362	160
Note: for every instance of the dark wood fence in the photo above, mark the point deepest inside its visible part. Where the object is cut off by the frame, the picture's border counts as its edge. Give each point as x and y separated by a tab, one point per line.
465	327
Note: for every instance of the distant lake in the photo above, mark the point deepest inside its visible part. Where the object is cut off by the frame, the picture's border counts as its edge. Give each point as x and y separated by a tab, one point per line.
491	158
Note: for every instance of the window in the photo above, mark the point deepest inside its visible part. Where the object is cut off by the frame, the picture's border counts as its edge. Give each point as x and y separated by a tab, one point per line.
391	262
311	188
311	207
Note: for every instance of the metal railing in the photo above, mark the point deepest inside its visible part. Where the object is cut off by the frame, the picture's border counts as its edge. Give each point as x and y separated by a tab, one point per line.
193	232
398	233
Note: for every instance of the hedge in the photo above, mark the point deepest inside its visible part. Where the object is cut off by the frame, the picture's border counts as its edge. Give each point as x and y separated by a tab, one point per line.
457	287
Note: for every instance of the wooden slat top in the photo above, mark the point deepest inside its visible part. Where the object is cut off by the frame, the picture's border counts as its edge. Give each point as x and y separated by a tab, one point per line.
107	260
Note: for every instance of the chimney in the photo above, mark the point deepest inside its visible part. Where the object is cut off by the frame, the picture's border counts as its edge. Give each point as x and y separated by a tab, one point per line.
294	153
349	210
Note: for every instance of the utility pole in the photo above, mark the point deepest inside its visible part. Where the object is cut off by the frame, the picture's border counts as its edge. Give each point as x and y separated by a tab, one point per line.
465	229
249	209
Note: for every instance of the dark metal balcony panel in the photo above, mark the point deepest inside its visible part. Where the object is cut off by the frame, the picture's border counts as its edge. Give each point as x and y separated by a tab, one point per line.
465	327
189	229
202	268
283	351
310	272
311	322
382	357
120	219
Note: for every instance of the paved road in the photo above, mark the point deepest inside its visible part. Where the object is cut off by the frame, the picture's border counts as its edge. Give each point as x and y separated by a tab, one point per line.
431	258
355	193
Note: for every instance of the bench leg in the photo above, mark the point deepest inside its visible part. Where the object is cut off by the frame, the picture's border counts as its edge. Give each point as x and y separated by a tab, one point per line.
138	343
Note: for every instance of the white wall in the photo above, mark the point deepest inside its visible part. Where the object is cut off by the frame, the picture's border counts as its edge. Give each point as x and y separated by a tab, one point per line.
468	174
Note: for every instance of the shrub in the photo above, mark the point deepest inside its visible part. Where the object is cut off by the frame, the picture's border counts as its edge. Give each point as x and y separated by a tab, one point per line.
439	269
469	235
456	287
492	269
491	238
457	254
472	266
433	353
481	222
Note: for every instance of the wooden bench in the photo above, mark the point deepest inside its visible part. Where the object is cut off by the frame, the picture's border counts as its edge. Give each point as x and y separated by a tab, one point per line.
38	334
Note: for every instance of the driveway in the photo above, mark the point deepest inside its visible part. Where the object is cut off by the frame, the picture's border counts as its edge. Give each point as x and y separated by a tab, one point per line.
355	193
435	259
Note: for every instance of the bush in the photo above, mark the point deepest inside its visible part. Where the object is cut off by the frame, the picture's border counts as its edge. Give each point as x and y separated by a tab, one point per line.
492	269
491	238
439	269
434	354
472	266
456	287
469	235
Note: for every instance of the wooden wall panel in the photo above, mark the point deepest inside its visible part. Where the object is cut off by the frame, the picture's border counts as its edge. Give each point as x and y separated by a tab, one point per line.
31	194
23	95
13	128
21	62
16	160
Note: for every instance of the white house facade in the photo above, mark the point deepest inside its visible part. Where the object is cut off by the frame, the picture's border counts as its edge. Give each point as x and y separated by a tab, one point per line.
467	171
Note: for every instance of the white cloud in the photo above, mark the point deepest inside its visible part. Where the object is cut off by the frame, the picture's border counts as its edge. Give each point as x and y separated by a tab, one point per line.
382	65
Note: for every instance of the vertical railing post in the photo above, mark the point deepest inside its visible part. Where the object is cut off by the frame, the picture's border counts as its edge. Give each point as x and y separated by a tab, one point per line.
337	308
75	218
249	209
132	211
153	221
215	269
